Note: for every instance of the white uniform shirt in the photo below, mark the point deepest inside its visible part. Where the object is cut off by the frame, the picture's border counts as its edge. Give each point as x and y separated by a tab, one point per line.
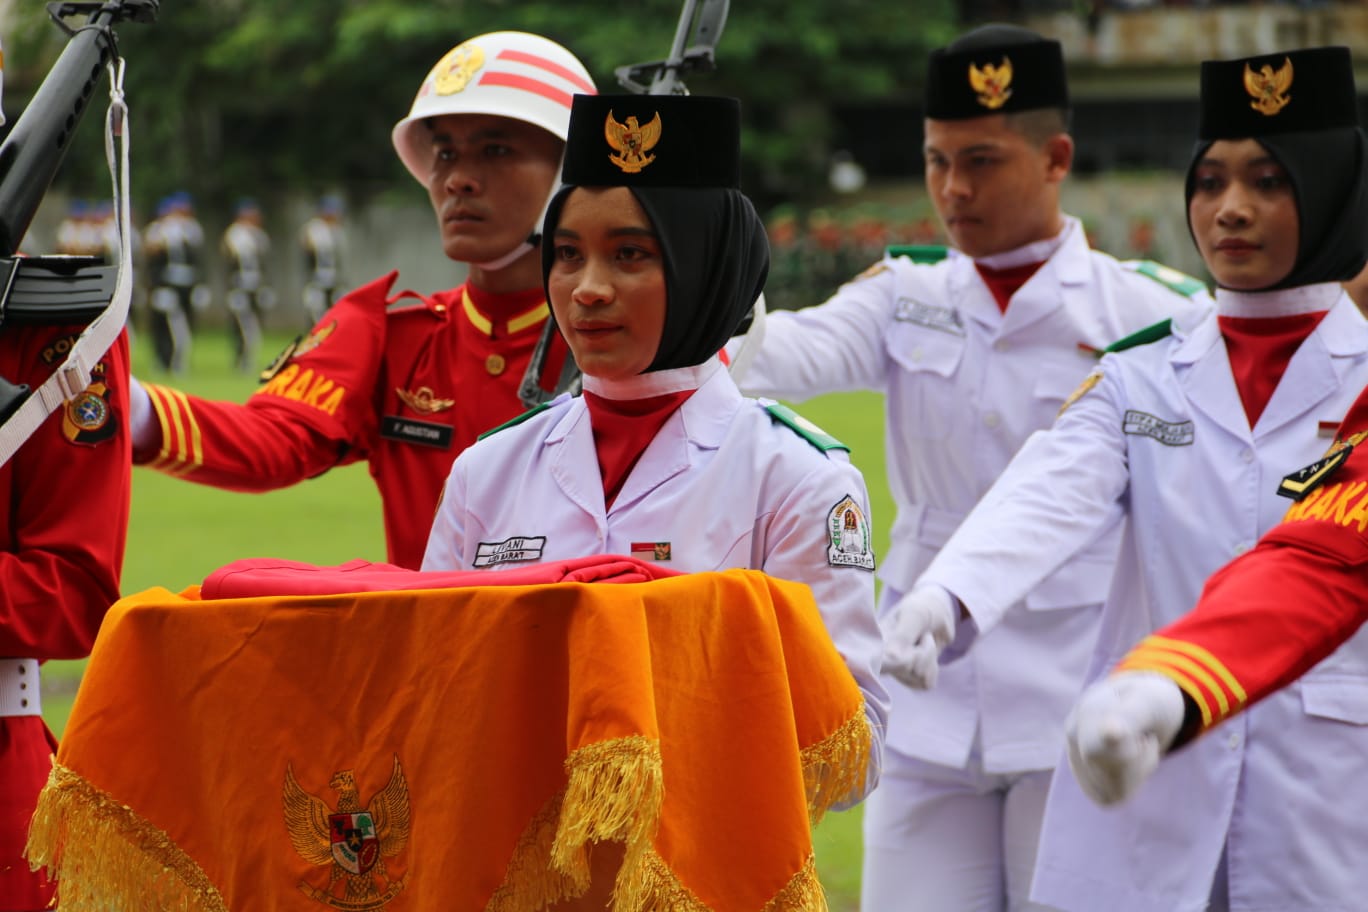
1162	439
965	385
722	482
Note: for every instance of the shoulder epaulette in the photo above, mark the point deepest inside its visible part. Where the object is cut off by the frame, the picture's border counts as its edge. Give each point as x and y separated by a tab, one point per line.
804	428
1170	278
919	253
514	422
1153	333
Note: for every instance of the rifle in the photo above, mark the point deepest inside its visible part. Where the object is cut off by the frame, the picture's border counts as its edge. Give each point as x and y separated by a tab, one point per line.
57	289
665	78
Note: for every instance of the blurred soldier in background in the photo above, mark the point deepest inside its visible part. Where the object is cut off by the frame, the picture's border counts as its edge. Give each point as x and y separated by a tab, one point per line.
174	248
322	242
247	251
76	233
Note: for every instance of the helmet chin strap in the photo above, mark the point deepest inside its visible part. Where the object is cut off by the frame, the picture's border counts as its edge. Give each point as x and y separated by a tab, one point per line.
512	256
533	239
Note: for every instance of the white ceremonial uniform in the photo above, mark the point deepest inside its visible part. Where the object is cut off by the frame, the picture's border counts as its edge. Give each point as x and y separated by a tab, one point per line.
965	385
722	482
1162	439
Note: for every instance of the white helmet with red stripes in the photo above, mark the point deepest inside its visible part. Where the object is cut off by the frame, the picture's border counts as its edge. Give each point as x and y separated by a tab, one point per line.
509	74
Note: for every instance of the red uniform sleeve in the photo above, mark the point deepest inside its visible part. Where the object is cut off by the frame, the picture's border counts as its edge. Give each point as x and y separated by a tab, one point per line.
67	493
316	409
1271	614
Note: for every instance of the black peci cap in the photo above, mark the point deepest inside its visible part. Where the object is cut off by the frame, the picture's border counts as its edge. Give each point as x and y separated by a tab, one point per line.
653	141
995	69
1288	92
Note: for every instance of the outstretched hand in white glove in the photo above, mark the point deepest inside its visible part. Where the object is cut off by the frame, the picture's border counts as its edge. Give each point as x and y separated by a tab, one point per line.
1119	730
919	627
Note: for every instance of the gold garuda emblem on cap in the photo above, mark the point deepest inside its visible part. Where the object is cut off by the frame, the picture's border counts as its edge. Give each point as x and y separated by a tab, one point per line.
992	83
1268	87
353	840
632	141
454	71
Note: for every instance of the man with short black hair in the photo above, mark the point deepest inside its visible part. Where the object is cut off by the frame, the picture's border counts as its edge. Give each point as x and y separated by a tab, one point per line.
402	380
974	353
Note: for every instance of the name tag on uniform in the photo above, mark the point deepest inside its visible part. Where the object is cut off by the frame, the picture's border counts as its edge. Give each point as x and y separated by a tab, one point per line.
1169	433
411	430
510	550
932	316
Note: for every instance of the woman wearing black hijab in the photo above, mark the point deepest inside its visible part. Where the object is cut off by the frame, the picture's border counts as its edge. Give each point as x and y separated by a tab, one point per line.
652	260
1187	436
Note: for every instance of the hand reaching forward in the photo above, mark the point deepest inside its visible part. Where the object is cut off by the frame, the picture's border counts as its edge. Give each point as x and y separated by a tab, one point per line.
1119	730
920	626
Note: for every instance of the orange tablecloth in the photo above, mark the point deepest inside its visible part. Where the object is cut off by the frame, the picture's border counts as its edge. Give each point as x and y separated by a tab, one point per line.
454	749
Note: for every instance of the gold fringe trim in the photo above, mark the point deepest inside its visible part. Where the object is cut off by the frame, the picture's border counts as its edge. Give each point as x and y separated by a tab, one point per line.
530	882
105	857
614	793
661	891
803	893
835	768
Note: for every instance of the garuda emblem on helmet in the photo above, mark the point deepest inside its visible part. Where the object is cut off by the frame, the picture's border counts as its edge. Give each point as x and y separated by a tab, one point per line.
1268	87
354	839
992	83
632	141
454	71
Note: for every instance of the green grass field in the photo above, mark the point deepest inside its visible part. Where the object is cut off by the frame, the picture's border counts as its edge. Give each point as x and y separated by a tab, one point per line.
179	532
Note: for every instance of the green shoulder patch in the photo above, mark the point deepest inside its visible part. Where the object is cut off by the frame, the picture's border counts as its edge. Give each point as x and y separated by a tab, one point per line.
1170	278
1152	333
514	422
920	253
804	428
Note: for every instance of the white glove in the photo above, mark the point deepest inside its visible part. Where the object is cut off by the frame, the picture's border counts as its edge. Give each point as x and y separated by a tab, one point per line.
1118	731
919	627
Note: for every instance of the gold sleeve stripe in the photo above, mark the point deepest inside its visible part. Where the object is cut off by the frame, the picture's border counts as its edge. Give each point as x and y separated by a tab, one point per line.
181	451
196	438
1200	674
1186	674
1133	662
1212	664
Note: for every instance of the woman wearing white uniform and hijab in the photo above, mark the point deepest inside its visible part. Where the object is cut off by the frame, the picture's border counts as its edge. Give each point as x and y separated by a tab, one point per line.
1186	440
654	258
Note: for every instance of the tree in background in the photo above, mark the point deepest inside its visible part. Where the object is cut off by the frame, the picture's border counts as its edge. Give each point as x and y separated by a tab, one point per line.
231	95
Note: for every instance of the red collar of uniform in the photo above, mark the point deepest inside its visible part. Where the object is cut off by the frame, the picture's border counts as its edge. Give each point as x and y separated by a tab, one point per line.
623	428
503	314
1005	282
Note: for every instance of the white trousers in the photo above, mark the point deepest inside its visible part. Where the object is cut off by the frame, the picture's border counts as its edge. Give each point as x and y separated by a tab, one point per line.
938	839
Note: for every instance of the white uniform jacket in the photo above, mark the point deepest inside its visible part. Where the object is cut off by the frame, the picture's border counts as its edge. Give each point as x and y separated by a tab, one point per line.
723	483
965	385
1162	439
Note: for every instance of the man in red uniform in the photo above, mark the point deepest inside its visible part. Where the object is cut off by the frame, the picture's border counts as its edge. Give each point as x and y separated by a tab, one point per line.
62	537
402	380
1263	621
